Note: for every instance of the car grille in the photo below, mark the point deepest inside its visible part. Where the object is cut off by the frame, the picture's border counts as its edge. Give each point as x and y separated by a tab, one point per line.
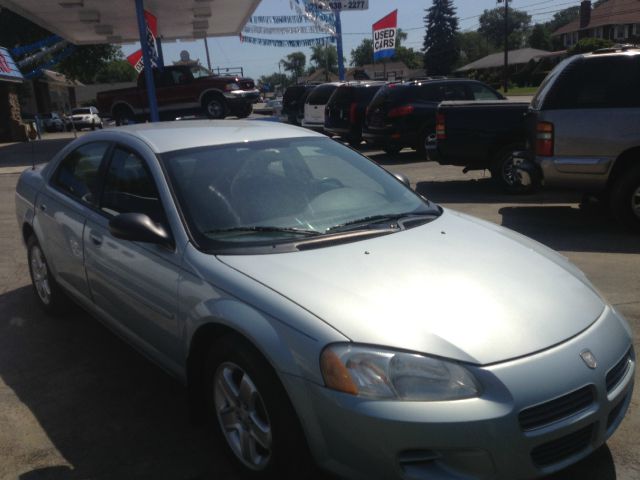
617	373
246	85
562	448
557	409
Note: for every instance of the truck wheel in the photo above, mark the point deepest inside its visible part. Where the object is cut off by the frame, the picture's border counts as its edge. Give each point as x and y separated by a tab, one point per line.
625	198
214	107
504	173
392	149
123	116
245	111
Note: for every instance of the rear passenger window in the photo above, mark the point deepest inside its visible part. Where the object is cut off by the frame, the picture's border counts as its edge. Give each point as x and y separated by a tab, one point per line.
606	82
480	92
77	174
129	187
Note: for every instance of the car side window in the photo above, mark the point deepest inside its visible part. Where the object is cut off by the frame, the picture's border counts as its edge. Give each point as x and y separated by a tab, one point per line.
480	92
77	174
606	82
129	187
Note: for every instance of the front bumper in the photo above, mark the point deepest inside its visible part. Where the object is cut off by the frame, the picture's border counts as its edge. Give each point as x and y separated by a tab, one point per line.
485	437
251	96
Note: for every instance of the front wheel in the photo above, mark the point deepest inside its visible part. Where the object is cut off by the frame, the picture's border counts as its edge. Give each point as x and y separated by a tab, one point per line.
392	149
245	111
251	412
625	198
214	108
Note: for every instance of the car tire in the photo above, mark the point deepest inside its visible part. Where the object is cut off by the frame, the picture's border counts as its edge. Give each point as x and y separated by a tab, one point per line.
392	149
51	298
251	412
100	125
245	111
123	116
624	200
93	125
214	107
423	139
503	171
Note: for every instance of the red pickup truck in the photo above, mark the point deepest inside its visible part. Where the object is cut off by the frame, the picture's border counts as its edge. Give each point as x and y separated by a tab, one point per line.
181	90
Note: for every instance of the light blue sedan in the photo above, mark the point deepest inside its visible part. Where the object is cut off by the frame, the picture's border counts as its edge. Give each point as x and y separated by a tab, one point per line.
320	311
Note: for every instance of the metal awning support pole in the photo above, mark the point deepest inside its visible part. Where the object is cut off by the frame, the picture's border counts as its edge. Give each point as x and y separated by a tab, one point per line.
339	45
148	73
160	54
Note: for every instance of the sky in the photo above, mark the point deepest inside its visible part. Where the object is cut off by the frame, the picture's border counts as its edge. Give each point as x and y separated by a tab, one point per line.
258	60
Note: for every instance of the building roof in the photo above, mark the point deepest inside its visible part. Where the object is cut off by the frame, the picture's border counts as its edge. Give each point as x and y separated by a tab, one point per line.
84	22
319	76
495	60
613	12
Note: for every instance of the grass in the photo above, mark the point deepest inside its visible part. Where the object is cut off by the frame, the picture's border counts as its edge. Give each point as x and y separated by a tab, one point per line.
515	91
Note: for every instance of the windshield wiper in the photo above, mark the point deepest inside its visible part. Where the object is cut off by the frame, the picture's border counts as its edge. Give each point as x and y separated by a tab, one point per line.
266	228
373	219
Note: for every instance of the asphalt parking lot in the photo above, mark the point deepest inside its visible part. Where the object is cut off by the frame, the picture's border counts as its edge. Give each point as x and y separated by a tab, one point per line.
78	403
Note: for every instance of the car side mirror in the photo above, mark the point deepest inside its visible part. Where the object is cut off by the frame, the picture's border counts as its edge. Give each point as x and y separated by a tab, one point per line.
138	227
403	178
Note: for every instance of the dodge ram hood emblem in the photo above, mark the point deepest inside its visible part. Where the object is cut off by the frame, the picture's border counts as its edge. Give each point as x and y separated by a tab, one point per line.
589	358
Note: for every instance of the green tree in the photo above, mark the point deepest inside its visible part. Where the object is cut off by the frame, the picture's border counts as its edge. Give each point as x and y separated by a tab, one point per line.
589	45
492	26
325	57
294	63
362	54
540	37
116	71
563	17
473	46
440	46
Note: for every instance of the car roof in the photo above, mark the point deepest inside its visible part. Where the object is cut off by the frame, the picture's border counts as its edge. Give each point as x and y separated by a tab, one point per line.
178	135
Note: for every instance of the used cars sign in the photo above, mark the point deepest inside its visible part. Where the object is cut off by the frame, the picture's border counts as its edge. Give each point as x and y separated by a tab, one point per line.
384	36
8	68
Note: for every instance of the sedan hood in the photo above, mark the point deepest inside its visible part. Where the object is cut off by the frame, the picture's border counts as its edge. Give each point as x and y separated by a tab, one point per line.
457	287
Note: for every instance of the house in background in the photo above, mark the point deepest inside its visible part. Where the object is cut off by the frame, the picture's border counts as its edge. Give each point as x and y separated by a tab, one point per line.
616	20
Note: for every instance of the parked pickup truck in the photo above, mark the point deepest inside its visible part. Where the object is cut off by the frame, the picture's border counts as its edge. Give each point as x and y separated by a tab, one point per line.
480	135
181	90
583	130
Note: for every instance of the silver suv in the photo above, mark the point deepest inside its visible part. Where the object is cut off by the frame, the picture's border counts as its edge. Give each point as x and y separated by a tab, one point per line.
582	129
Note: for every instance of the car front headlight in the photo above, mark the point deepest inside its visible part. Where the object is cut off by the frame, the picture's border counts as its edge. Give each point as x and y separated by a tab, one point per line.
381	373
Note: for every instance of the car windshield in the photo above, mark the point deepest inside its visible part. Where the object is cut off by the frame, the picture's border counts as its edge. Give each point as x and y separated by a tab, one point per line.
81	111
284	190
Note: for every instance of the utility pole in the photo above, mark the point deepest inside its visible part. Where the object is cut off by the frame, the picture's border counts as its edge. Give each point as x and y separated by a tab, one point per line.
339	45
206	49
506	45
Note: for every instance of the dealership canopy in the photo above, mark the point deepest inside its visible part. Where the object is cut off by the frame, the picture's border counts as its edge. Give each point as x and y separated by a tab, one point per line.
85	22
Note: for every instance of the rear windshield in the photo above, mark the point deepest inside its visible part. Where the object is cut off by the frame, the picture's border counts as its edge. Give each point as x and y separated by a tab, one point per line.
391	94
342	95
365	94
320	95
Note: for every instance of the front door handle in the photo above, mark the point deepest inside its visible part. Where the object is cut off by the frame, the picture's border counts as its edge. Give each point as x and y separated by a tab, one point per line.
96	239
43	207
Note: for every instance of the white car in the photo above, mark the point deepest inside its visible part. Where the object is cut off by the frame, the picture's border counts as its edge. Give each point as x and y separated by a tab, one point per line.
87	117
315	104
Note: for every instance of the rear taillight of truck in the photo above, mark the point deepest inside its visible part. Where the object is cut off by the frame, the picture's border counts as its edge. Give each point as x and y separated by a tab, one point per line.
441	131
353	112
544	139
400	111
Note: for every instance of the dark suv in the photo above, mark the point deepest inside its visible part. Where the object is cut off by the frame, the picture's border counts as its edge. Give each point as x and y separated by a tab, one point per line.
344	114
293	102
404	114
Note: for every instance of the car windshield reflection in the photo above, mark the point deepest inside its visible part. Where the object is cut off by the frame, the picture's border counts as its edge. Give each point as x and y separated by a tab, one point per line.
285	190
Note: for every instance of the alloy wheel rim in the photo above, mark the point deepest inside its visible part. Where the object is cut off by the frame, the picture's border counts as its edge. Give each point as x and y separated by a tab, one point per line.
635	202
40	275
242	416
214	108
509	171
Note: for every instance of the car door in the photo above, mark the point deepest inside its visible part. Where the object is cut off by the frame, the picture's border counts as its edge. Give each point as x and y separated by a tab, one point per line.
62	208
133	283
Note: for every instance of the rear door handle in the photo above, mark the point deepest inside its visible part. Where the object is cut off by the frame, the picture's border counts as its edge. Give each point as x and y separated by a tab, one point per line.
96	239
